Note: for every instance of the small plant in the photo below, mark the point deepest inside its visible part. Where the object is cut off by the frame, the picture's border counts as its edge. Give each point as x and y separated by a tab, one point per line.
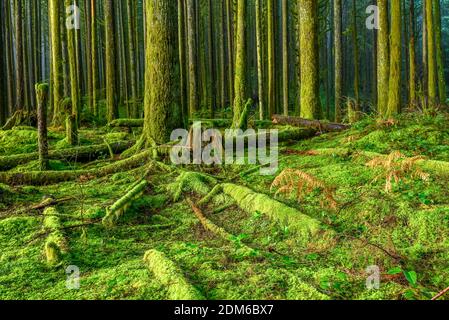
300	182
396	167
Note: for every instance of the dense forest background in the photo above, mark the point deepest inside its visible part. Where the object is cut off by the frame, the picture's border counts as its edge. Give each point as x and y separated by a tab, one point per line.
111	44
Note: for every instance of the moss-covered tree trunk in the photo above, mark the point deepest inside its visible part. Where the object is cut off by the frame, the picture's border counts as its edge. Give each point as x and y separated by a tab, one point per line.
240	84
285	69
394	92
42	98
310	99
271	59
193	67
94	57
110	61
18	33
162	92
338	59
132	58
383	57
230	41
412	55
431	62
9	58
439	53
260	69
182	58
356	59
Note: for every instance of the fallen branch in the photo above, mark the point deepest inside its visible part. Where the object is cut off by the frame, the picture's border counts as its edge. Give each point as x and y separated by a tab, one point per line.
169	275
439	295
56	245
38	178
222	233
78	154
126	123
314	124
42	205
120	207
250	201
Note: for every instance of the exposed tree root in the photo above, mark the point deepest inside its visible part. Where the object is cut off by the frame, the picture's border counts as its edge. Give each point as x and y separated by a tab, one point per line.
38	178
56	244
190	182
21	118
169	275
215	191
251	202
314	124
222	233
78	154
120	207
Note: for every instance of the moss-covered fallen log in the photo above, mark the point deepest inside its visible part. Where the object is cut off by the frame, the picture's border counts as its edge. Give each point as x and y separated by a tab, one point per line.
126	123
119	208
170	276
21	118
55	244
220	232
227	123
250	201
38	178
314	124
439	168
78	154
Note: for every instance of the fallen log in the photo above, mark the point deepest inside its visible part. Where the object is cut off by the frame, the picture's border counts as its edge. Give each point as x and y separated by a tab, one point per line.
56	244
250	201
220	232
120	207
170	276
126	123
78	154
314	124
20	118
38	178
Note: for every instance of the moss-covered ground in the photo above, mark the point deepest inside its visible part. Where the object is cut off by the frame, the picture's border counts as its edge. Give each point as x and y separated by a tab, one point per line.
404	232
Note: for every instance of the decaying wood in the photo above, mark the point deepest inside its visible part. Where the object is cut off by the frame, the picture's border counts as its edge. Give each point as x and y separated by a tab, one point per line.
315	124
78	154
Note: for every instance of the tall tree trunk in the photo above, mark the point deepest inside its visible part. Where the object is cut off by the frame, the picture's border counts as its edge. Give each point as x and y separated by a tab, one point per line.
162	99
383	57
271	59
412	53
74	83
132	57
310	99
355	54
94	57
394	93
111	82
42	97
56	62
285	56
193	67
240	83
8	57
439	53
20	81
338	59
260	72
431	65
230	41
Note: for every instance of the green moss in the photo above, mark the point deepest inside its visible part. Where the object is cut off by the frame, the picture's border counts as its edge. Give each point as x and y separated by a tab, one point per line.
169	275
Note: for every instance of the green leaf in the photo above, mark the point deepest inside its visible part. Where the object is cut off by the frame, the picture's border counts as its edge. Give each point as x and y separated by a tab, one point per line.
411	277
395	270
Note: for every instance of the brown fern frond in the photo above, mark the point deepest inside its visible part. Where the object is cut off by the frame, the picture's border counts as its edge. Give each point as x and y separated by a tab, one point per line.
299	182
396	167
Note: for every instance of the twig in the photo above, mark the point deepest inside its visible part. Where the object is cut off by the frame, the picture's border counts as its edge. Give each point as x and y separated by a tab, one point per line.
442	293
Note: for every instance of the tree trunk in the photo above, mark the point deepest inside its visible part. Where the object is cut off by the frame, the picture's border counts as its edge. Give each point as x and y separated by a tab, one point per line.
310	99
193	67
162	99
383	57
111	82
394	93
338	59
41	97
240	83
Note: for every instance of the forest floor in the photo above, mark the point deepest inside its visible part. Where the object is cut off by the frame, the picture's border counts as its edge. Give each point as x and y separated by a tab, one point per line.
402	228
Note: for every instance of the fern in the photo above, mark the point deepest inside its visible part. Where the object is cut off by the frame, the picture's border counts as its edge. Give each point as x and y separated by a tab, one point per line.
300	183
396	167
